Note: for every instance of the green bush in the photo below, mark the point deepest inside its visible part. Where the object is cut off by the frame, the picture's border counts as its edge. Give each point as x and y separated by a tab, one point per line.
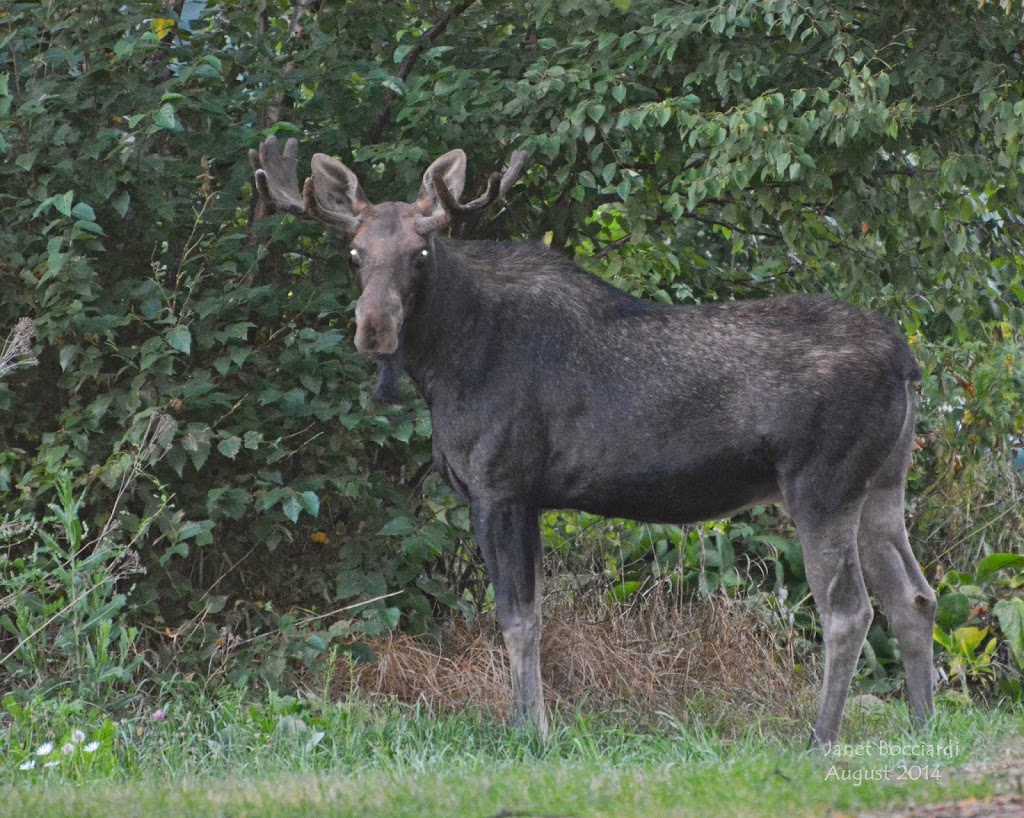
686	154
980	626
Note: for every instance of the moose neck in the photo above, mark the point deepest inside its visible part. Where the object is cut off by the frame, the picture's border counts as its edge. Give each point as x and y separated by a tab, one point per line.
443	347
485	308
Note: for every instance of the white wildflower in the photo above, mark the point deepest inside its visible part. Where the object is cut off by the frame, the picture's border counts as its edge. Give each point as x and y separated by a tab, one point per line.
45	750
78	737
67	749
91	747
28	765
52	763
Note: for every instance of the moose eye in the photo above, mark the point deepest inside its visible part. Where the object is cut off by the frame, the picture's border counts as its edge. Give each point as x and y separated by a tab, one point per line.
353	257
422	256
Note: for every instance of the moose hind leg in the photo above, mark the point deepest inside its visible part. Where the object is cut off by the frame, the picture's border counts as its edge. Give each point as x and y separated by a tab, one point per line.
509	537
833	571
894	577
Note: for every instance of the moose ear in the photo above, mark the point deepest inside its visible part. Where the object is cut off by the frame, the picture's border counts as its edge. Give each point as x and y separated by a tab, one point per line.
337	195
452	169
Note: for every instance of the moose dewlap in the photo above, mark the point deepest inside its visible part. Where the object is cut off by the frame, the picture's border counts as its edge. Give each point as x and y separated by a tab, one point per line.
549	388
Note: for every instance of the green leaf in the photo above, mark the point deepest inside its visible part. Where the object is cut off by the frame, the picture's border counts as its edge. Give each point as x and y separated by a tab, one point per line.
121	202
89	227
55	263
63	202
228	503
403	432
944	640
958	242
1010	615
106	613
882	83
624	591
292	508
782	162
230	447
179	338
165	119
215	603
310	502
84	212
67	355
969	639
398	527
196	442
349	583
26	160
954	609
994	563
123	47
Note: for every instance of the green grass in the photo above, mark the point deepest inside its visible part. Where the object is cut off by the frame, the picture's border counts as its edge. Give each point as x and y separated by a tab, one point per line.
237	755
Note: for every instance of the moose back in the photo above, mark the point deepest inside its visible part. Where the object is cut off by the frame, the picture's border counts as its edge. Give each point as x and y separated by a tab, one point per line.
549	388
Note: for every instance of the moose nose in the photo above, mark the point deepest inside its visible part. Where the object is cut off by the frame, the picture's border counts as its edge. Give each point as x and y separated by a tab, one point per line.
377	323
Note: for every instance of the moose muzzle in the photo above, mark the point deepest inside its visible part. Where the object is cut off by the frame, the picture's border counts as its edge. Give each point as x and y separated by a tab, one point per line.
378	322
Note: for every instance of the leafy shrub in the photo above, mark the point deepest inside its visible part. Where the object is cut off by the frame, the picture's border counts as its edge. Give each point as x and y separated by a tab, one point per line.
980	625
124	239
965	489
687	154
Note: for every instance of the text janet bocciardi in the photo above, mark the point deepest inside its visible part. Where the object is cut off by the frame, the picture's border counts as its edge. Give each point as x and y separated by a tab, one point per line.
894	750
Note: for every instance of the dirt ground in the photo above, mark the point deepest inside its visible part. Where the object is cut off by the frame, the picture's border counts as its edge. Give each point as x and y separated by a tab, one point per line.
1007	776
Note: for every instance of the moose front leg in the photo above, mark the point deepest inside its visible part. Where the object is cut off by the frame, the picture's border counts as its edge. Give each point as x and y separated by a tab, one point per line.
508	535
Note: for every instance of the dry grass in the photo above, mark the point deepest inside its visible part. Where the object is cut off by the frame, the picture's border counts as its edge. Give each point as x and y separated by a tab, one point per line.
651	657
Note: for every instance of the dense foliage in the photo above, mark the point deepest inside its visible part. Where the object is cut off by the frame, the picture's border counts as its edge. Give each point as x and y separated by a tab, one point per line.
686	152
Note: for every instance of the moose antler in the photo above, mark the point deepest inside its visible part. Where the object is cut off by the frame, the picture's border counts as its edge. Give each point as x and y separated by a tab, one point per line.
332	195
515	168
336	202
497	186
277	176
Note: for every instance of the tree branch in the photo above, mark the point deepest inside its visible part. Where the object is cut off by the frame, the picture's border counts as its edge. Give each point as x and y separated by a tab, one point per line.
611	247
733	227
408	63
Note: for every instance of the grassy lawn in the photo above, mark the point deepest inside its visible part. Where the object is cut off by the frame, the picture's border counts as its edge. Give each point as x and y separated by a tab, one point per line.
284	757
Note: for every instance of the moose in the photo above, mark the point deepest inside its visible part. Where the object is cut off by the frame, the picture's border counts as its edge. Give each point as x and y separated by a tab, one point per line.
549	388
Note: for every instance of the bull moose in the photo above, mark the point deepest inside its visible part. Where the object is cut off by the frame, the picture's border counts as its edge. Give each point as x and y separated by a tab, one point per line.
549	388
